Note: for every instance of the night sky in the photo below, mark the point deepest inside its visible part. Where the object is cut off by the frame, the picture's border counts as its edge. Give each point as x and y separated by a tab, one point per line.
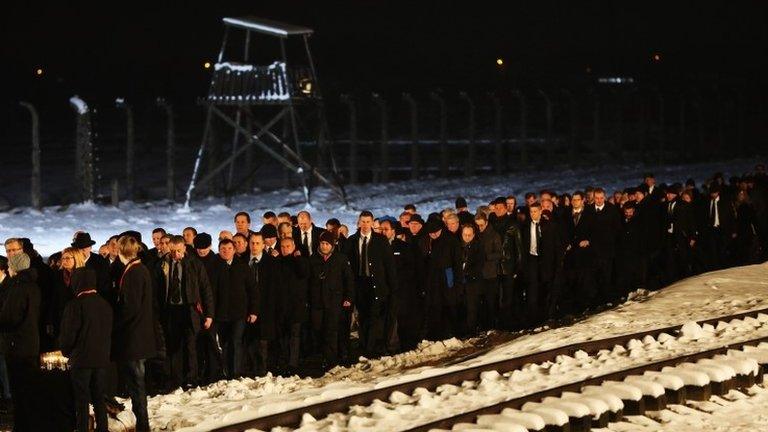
109	49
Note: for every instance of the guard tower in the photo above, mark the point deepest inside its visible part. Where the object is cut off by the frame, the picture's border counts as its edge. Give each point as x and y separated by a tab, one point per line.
275	107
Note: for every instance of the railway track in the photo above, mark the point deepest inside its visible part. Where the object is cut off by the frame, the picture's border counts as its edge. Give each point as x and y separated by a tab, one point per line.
293	418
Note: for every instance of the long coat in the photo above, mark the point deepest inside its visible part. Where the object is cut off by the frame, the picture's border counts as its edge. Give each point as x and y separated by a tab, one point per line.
133	332
549	248
381	263
266	275
86	331
442	257
511	251
235	295
196	286
20	315
293	273
578	229
608	221
331	282
490	241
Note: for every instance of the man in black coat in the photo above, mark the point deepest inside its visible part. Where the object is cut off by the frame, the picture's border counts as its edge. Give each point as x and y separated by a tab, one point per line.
86	336
292	303
133	334
680	236
649	215
719	228
331	289
95	262
19	319
209	354
237	302
490	240
541	251
629	253
258	335
370	256
471	275
440	258
607	219
306	234
184	298
579	228
500	219
152	256
405	305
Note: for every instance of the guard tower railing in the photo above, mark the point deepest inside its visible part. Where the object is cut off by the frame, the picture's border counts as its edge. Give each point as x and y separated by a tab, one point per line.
241	83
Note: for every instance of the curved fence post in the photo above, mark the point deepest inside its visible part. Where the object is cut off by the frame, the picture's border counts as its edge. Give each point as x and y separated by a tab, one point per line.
170	155
498	152
469	164
350	102
83	148
35	180
414	111
129	146
383	171
523	104
437	97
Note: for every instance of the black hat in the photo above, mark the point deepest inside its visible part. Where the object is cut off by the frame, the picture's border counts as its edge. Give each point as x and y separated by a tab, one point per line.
461	202
135	234
82	240
416	218
498	200
714	187
690	182
202	241
433	226
83	279
269	231
327	236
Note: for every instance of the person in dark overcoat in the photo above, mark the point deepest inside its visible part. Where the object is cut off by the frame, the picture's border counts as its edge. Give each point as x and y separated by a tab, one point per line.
292	303
258	335
331	289
406	305
133	333
541	252
373	265
471	275
19	321
578	228
629	252
85	339
608	218
490	241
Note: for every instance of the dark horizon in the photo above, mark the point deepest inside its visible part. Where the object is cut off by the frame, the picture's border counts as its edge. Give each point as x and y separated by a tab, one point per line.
102	53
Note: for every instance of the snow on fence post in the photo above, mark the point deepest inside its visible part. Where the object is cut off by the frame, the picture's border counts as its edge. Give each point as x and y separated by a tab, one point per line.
170	186
37	201
548	144
437	97
469	164
129	146
414	111
115	193
523	104
383	171
83	148
350	102
498	163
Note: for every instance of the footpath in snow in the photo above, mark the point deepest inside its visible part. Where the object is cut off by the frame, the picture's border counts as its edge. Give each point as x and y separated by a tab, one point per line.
705	296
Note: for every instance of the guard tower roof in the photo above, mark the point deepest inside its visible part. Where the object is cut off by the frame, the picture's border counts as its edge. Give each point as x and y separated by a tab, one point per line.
267	26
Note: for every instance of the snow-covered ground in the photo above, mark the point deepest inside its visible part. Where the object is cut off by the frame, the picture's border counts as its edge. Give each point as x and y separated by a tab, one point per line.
52	228
710	295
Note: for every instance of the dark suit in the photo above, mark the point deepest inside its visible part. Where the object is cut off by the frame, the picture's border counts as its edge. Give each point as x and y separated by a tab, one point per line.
293	274
331	284
608	223
679	229
406	303
539	270
257	336
440	258
376	280
717	239
314	242
578	267
182	322
471	281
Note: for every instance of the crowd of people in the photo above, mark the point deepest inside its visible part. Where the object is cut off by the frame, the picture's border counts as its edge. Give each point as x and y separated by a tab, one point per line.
180	314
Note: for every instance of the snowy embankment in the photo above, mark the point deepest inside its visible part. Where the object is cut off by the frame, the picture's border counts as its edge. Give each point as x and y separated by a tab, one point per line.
52	228
710	295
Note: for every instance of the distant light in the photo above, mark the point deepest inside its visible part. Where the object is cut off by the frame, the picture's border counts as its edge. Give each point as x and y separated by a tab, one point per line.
657	57
306	86
589	69
39	72
207	65
500	61
616	80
